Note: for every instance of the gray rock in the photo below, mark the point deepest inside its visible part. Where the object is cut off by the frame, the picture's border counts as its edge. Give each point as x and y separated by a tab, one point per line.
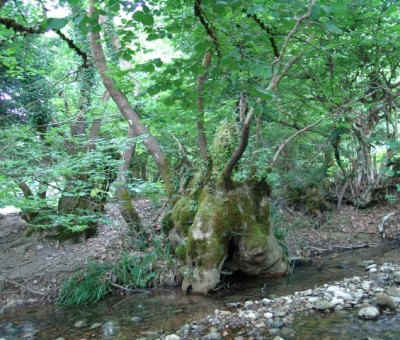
110	328
393	291
323	305
136	319
80	324
368	313
396	277
213	335
385	301
95	325
287	332
366	263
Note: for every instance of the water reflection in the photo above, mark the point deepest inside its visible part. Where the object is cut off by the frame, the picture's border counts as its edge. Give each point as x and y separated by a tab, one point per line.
14	331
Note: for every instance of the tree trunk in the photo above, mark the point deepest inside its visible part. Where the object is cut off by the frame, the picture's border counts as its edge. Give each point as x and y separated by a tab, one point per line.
123	194
125	108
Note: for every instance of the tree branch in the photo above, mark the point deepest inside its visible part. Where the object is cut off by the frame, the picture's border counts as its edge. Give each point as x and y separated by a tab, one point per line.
200	108
74	47
199	13
237	154
16	27
269	32
288	140
120	99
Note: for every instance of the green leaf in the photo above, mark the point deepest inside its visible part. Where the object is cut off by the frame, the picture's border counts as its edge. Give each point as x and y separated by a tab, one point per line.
261	93
56	23
332	28
144	17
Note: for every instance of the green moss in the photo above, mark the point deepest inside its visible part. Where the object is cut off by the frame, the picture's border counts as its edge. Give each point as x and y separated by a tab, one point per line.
257	236
183	213
225	141
180	251
167	224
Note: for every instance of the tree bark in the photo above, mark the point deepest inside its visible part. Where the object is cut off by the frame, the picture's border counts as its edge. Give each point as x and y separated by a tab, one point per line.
125	107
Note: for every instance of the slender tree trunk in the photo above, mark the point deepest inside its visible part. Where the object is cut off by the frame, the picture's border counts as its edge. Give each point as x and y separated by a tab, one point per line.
125	108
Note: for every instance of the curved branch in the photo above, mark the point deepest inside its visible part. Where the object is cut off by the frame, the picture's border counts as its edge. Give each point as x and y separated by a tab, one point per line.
266	29
16	27
237	154
199	13
122	102
288	140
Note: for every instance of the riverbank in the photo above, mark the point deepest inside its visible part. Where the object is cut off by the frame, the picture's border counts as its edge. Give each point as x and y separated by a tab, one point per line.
373	295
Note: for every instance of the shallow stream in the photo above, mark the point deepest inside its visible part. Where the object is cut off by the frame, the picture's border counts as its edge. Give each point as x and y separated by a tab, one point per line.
167	310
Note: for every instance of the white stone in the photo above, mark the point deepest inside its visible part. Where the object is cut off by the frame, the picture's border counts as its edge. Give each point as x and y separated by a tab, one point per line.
172	337
339	293
366	285
248	303
268	315
368	313
266	301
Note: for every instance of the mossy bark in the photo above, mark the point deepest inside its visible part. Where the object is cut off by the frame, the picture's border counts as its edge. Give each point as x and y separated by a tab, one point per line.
225	228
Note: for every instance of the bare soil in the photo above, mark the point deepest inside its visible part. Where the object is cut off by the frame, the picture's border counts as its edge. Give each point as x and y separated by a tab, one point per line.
33	269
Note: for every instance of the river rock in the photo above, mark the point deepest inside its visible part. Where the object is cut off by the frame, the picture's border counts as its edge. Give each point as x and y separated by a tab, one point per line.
396	277
368	313
366	263
172	337
393	291
385	301
110	328
213	335
339	293
323	305
80	323
95	325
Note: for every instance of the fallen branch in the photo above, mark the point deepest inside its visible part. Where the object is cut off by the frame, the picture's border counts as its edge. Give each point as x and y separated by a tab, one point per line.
357	246
134	291
33	291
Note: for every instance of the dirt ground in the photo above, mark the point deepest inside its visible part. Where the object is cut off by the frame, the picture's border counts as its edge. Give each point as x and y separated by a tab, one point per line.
32	269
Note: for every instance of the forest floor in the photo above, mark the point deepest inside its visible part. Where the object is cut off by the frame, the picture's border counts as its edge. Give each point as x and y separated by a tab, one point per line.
33	269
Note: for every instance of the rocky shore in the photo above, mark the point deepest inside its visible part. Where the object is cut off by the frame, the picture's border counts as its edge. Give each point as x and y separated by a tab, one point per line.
375	294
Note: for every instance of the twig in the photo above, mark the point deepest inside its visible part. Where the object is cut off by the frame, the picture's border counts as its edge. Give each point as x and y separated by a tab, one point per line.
160	212
288	140
357	246
24	287
135	291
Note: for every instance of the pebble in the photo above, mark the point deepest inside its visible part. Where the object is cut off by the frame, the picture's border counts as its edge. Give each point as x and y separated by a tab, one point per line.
95	325
323	305
80	324
172	337
396	277
368	313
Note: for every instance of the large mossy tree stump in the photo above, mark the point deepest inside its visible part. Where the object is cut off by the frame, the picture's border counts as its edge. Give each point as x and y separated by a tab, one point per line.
228	228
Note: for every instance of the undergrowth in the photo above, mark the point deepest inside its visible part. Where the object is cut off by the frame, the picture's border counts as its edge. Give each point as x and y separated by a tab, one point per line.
98	279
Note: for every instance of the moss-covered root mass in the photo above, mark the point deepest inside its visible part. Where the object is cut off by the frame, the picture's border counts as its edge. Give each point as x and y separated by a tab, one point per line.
232	225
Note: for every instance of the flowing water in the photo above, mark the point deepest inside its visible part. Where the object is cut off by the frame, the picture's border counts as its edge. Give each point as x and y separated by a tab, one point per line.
168	310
